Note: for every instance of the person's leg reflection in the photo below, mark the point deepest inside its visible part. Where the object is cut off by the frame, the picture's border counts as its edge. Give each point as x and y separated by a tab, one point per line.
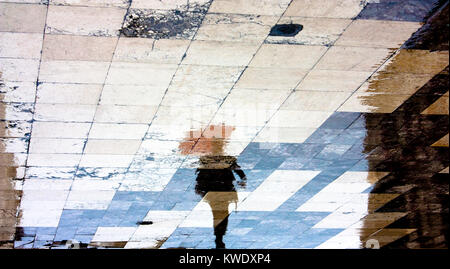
219	203
219	230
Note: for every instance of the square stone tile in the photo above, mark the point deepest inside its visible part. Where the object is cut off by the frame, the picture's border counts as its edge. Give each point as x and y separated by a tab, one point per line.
318	207
77	20
53	145
159	147
372	33
220	53
62	93
146	50
340	220
19	69
73	71
113	234
284	134
20	45
92	3
325	8
189	99
41	218
94	199
53	160
105	160
117	131
124	114
184	117
344	242
23	18
151	236
94	185
147	180
60	129
205	79
255	99
269	78
353	58
235	27
315	101
78	48
156	161
132	95
235	148
354	187
287	56
152	75
50	172
242	116
47	184
295	118
168	131
112	146
258	7
316	31
243	133
341	81
64	112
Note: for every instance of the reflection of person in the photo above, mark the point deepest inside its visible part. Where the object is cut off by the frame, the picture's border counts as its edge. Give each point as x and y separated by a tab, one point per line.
215	176
215	184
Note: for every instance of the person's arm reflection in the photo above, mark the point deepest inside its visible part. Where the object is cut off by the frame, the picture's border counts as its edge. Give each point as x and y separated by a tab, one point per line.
243	178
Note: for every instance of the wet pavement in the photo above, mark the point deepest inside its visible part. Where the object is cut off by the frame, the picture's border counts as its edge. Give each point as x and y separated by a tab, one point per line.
224	124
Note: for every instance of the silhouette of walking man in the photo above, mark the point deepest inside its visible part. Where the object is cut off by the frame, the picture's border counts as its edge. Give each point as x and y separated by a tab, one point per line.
215	184
215	174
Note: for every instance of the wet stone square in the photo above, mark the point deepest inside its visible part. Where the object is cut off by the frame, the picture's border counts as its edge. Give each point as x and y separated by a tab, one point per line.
203	124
